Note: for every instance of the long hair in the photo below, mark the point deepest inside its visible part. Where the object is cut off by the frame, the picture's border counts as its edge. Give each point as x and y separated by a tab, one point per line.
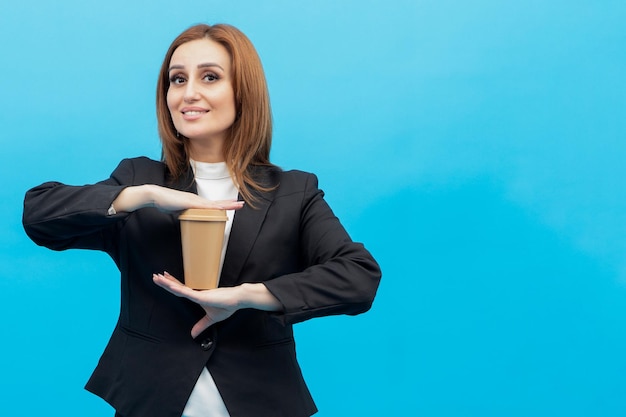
249	139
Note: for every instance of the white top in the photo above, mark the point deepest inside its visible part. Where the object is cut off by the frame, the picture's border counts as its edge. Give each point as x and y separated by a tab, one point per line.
214	183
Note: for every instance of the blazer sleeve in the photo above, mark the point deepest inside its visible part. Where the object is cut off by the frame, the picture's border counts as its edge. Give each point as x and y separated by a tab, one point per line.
341	276
60	216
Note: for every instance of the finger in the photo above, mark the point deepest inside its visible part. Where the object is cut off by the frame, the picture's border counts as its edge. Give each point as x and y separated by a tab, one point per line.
171	277
174	286
168	282
200	326
227	204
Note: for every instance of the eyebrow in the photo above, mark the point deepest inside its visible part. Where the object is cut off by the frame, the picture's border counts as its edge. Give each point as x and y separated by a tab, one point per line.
203	65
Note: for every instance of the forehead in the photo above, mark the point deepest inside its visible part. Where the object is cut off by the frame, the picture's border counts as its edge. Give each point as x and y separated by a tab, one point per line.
201	51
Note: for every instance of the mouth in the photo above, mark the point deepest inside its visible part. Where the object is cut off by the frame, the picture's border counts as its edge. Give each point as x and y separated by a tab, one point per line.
191	114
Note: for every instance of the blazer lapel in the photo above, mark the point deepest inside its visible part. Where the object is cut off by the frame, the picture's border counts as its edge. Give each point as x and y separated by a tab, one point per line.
245	229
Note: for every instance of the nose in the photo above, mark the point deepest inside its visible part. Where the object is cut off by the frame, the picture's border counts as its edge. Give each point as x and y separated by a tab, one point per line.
191	92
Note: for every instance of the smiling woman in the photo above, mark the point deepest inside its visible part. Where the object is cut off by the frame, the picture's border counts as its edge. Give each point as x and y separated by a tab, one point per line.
201	98
286	258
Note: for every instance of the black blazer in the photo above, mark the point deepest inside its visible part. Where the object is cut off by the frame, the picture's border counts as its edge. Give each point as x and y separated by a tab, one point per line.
290	241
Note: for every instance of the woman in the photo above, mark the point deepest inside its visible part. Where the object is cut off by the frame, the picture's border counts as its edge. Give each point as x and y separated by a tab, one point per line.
229	351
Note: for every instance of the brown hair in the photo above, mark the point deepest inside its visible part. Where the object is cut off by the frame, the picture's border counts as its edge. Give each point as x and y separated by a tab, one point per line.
249	139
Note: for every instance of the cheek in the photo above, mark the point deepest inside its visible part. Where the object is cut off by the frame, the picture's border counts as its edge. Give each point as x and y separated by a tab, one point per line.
230	102
171	101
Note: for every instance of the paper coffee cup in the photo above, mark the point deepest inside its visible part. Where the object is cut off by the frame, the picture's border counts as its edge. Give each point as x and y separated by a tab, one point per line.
202	235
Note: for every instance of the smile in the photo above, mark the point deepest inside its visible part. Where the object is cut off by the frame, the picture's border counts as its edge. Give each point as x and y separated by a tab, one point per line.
194	112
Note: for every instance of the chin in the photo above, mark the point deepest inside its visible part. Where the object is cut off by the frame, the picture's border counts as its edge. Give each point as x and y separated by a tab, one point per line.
203	136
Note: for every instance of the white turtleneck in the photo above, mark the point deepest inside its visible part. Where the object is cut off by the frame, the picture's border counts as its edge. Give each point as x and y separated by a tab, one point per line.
214	183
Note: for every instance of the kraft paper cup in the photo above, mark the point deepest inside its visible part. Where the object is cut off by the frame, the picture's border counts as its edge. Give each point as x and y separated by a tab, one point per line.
202	235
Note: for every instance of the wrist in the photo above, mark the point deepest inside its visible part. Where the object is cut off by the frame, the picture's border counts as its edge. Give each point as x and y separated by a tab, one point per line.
148	195
246	295
133	198
257	296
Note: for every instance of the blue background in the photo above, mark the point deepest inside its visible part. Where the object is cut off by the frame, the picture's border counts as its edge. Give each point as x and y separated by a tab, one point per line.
476	148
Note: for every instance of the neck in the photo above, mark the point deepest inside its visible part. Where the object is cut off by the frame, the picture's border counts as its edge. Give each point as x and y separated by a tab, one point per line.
206	152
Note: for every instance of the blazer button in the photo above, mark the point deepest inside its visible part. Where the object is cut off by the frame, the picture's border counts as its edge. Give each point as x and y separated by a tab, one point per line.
206	344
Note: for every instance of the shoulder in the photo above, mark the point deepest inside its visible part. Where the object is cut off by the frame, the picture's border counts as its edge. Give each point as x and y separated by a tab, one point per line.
285	181
297	177
301	185
143	162
140	170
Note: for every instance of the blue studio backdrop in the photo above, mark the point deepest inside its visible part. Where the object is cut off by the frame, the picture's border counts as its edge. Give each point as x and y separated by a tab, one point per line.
476	148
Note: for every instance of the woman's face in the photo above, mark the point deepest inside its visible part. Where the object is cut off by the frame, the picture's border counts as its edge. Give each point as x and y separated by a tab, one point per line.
200	97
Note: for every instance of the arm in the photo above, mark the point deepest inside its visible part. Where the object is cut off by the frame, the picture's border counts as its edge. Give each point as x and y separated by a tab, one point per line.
61	216
340	276
166	199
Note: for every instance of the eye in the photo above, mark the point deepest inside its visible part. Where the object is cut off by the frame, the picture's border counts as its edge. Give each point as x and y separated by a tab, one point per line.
177	79
210	77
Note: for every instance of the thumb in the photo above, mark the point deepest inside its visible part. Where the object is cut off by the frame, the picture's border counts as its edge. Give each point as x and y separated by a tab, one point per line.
200	326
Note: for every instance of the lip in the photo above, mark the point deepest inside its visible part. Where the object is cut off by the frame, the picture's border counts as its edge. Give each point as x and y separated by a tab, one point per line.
193	113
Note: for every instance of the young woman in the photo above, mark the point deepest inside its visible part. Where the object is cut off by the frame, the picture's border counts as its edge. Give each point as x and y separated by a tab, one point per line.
286	258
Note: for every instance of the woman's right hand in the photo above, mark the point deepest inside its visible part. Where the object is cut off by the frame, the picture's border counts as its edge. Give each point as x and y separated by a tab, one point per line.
166	199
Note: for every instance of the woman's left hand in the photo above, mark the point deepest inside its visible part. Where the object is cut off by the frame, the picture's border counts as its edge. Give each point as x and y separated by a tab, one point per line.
219	304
